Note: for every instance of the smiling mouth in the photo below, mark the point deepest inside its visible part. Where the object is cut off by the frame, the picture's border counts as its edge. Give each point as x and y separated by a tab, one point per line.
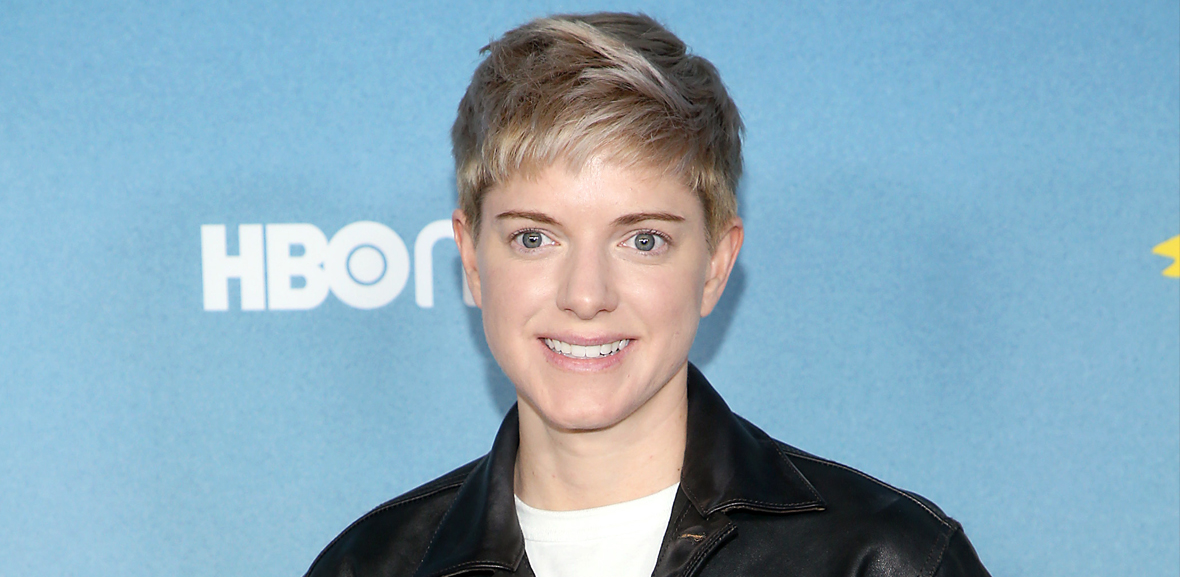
586	351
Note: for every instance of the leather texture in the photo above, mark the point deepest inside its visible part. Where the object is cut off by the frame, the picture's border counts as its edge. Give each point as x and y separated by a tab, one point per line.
747	505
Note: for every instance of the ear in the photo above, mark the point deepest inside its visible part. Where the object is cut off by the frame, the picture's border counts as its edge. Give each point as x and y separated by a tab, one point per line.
725	252
465	238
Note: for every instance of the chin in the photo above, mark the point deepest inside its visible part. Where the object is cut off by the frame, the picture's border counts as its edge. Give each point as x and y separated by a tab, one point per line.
578	414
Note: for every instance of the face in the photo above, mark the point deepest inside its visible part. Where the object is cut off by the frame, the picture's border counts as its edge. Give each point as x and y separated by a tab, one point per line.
591	284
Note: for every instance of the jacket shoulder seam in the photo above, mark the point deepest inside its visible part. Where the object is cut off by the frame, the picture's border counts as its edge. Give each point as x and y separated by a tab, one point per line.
934	559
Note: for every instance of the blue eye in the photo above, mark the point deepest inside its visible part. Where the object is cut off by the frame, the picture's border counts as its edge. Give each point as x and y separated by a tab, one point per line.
532	239
647	241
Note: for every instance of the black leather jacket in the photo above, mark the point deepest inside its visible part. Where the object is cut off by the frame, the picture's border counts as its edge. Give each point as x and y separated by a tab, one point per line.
747	505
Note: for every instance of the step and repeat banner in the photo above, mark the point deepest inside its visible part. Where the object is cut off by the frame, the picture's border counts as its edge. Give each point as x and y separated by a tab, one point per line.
234	319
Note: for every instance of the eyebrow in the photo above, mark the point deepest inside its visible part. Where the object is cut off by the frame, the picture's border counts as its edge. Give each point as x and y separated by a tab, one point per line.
527	215
638	217
625	220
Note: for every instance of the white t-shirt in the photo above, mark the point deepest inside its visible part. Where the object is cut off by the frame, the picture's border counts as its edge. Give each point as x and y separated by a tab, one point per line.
620	540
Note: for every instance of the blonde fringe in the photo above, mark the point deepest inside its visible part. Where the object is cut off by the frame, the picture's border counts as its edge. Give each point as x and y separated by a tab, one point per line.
620	86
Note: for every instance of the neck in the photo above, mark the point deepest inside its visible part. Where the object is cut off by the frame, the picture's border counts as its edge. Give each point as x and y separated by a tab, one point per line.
564	470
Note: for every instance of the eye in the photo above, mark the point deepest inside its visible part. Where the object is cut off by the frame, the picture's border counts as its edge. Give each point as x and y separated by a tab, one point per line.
531	239
646	241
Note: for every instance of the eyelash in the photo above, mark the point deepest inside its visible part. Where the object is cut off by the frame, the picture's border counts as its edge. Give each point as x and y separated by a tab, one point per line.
663	237
516	237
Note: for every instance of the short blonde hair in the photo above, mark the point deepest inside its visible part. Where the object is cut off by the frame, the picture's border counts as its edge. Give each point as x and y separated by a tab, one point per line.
570	87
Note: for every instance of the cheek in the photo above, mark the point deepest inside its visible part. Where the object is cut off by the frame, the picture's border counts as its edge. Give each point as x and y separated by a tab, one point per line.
511	294
668	299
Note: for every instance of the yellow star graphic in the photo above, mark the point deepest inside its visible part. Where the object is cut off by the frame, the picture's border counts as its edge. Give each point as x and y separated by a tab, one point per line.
1170	248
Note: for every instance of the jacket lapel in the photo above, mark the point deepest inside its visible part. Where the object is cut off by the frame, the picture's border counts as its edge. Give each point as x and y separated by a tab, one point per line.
690	538
480	531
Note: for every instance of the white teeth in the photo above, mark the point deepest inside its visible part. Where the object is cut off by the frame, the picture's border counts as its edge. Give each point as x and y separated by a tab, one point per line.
586	351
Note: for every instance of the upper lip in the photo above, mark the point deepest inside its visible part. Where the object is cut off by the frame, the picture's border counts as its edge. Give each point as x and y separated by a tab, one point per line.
587	340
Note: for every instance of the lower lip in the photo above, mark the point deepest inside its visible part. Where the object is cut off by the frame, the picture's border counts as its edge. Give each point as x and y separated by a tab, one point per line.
584	365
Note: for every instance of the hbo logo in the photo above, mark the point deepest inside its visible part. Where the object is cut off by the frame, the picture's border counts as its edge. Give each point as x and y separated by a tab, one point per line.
366	265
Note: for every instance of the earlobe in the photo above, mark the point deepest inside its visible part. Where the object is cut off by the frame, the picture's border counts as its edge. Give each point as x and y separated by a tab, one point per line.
725	252
465	239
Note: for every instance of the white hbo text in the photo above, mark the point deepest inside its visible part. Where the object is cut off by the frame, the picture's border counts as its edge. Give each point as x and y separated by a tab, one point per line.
365	264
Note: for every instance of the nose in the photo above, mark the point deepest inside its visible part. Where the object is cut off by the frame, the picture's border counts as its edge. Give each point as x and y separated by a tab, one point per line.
587	287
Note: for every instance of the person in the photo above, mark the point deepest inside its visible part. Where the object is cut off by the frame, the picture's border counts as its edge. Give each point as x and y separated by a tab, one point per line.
597	162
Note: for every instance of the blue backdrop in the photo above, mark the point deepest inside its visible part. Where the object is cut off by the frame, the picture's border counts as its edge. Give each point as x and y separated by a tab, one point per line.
948	280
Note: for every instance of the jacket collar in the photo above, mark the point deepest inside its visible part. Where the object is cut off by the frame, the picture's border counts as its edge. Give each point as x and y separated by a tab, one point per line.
729	464
480	530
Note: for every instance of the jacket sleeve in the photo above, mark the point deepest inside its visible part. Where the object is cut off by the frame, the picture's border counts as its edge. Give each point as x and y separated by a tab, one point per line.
960	559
